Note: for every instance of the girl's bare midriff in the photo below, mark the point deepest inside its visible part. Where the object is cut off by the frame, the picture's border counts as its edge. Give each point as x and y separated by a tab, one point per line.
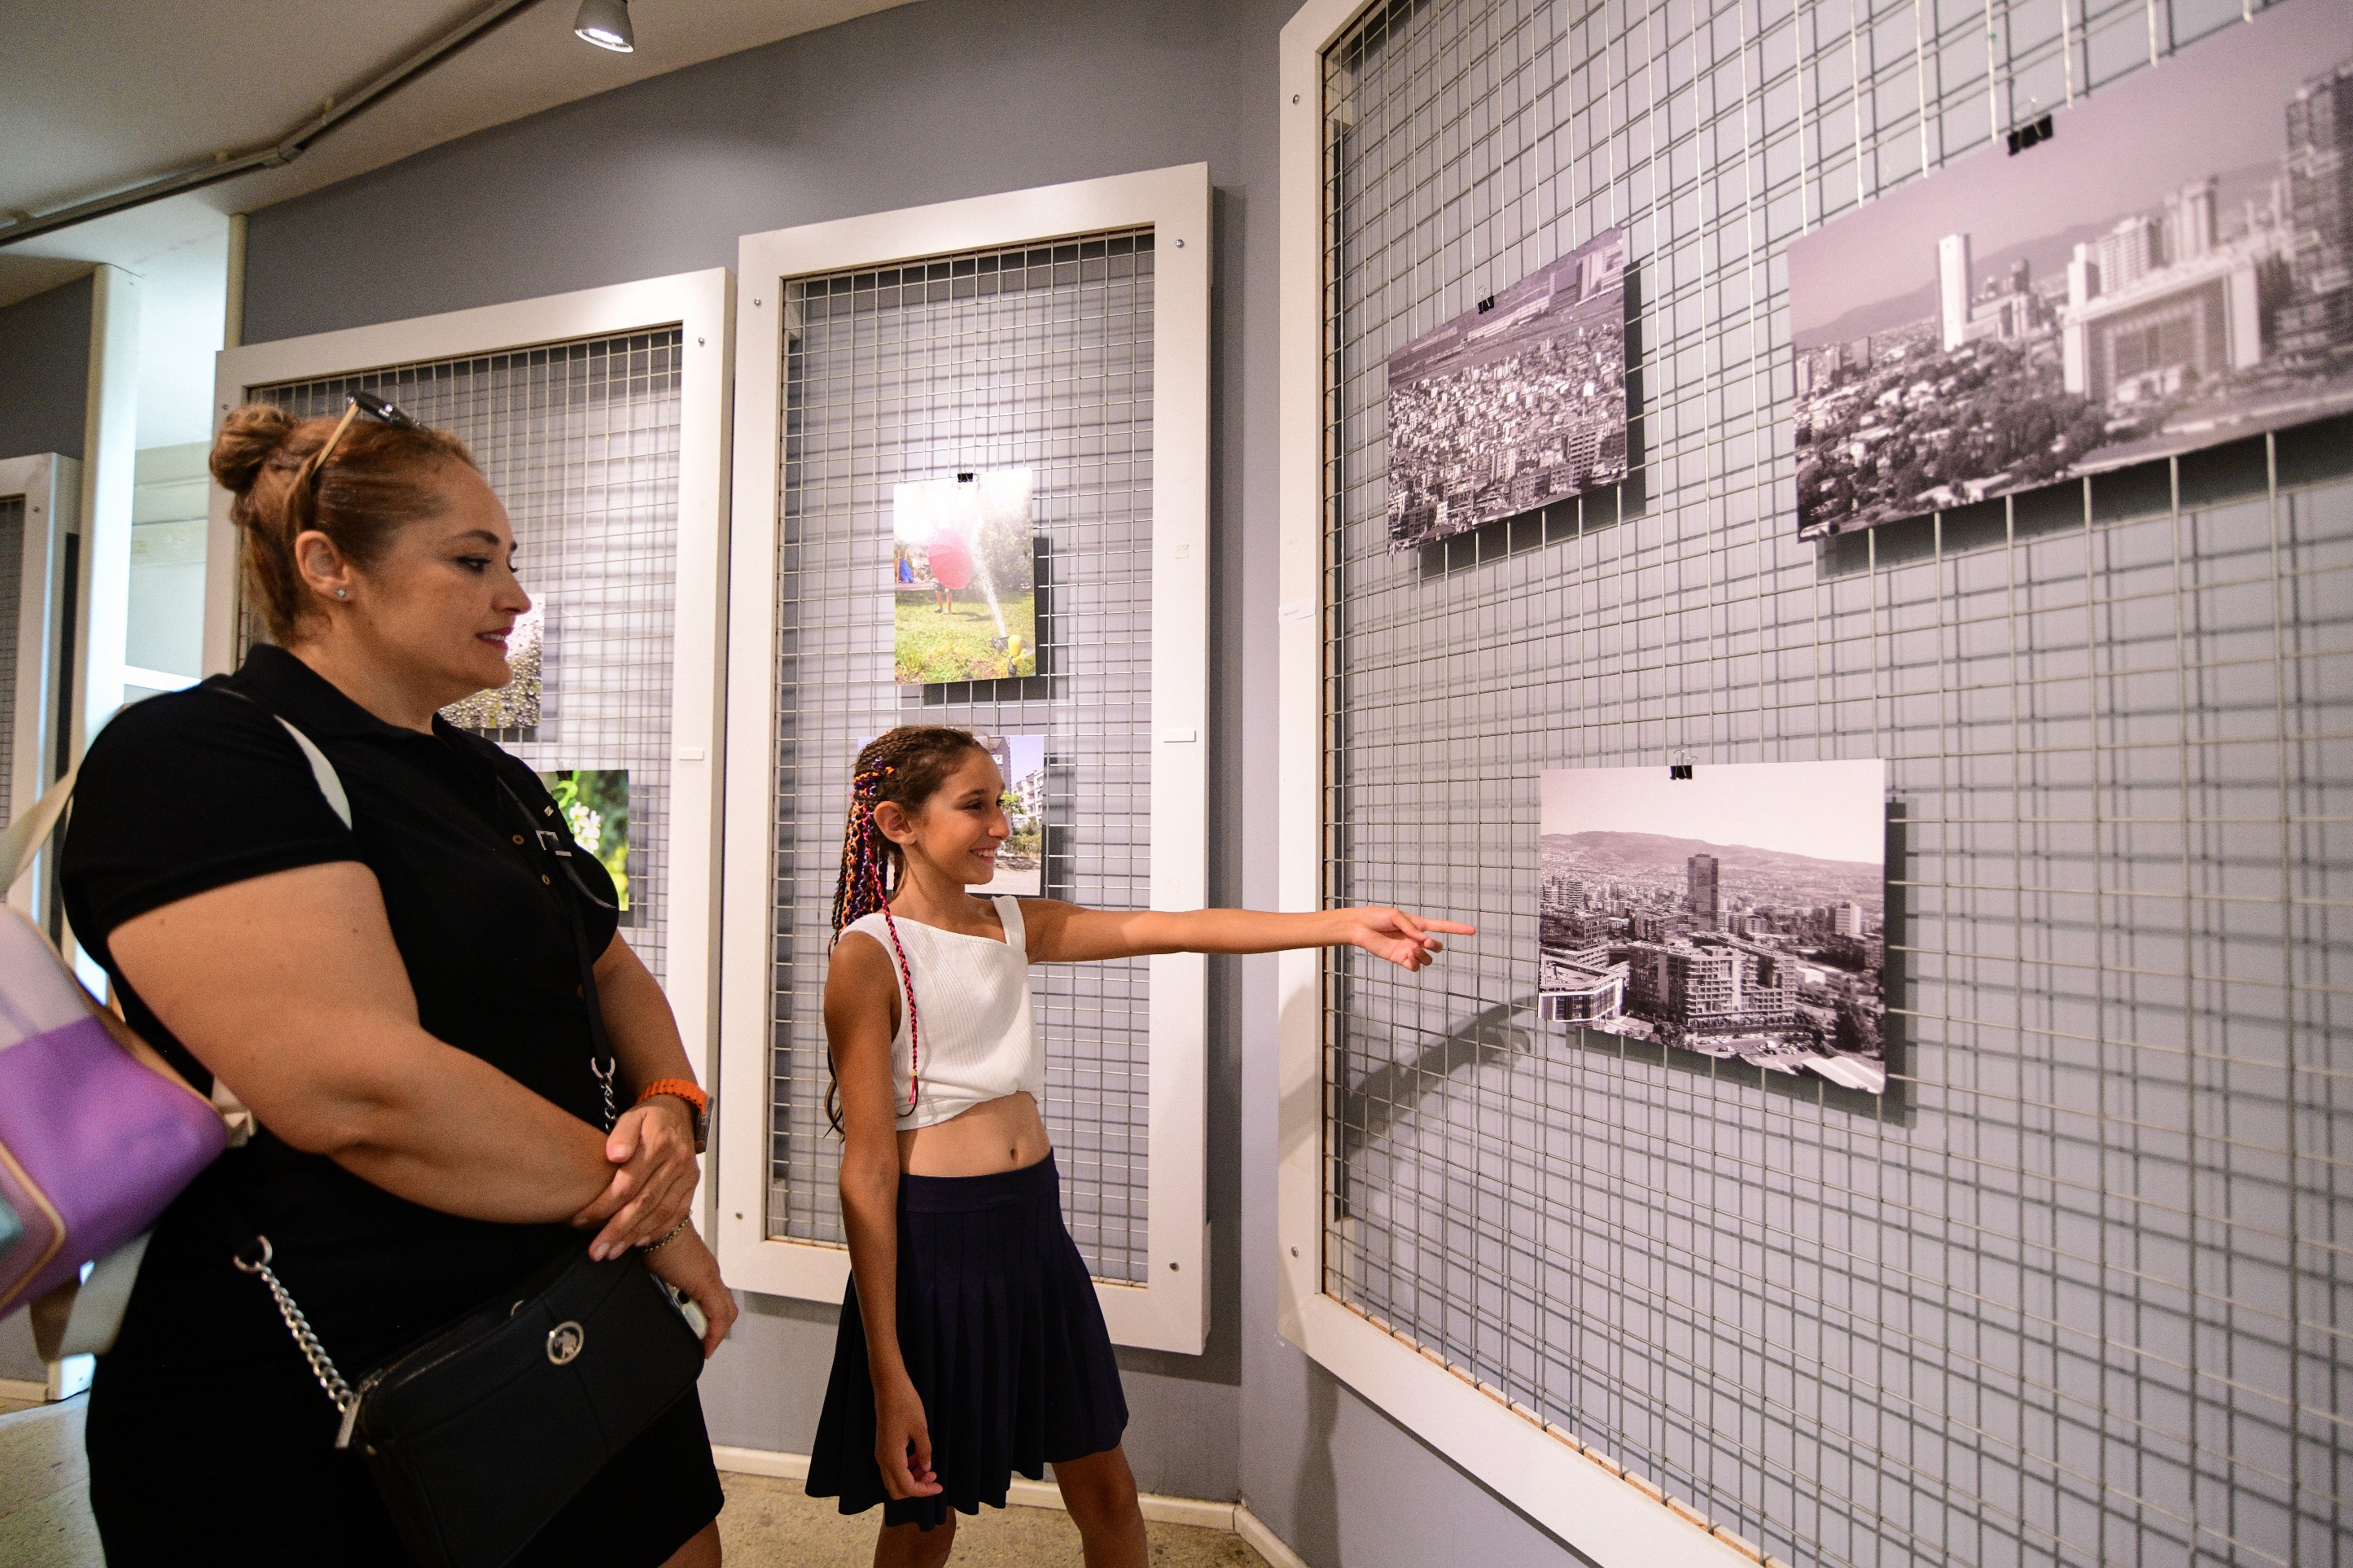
1002	1135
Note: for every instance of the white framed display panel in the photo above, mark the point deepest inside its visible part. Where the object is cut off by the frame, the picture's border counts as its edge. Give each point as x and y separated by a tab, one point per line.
49	484
701	305
1583	1498
1170	1310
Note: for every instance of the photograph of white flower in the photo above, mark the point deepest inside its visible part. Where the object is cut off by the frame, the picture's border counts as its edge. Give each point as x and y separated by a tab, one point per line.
595	807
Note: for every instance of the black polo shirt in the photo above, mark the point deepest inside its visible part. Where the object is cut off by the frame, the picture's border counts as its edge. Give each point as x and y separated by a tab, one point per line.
199	789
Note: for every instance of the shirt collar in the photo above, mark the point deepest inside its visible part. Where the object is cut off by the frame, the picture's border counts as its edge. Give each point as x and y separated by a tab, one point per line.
285	685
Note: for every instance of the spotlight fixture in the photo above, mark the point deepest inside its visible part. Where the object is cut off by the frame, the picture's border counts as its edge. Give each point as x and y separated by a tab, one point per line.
606	24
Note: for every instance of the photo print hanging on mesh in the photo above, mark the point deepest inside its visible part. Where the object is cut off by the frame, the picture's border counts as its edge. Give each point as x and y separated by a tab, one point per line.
1021	860
1515	404
595	807
964	578
511	711
2170	268
1739	911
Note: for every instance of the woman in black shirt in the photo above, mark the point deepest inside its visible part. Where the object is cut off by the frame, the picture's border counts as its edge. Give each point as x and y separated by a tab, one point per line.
397	1002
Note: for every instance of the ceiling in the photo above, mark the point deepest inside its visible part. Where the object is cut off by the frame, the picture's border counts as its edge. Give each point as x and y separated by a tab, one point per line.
102	93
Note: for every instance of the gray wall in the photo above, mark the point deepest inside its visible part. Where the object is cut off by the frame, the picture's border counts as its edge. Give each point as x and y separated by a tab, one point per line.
934	102
44	370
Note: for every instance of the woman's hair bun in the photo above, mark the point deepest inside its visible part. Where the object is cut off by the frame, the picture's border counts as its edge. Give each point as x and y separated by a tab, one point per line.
246	439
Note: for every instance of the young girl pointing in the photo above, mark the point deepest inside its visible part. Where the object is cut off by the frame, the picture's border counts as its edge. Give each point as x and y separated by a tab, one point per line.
971	1343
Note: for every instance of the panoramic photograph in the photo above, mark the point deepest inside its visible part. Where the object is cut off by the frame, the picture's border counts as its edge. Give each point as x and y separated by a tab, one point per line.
1739	913
963	578
2173	269
1517	403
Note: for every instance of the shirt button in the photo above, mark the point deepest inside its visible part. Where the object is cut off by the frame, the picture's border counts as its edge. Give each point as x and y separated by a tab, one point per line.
545	882
518	838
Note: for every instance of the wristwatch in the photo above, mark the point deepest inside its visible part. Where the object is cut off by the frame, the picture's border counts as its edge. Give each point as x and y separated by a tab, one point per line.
698	1104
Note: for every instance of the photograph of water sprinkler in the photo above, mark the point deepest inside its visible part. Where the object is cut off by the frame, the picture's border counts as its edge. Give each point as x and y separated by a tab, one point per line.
964	578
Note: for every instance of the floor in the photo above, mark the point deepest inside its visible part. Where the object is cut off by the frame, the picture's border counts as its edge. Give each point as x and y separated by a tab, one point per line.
44	1517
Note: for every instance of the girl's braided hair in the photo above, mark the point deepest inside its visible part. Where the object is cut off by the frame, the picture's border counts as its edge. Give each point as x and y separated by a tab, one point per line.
906	766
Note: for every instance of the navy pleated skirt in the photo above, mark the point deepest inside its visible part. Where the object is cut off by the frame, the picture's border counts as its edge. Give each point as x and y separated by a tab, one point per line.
1003	1337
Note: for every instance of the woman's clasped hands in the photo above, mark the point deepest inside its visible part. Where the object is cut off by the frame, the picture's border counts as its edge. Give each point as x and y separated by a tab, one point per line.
648	1203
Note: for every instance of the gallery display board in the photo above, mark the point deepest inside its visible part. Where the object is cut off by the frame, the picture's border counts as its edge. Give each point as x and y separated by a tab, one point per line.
971	488
42	585
600	418
1618	1205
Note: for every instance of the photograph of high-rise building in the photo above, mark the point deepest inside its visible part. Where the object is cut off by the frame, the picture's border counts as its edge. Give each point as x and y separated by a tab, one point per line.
2173	268
1515	404
1739	913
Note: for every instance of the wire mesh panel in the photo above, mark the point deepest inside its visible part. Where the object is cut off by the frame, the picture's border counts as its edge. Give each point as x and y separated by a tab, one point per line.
1037	357
12	587
581	441
2076	1289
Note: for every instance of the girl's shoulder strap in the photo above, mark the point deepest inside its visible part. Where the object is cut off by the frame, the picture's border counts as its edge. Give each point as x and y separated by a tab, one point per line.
1017	935
868	924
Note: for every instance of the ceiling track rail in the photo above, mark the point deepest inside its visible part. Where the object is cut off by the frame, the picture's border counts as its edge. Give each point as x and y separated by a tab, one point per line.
287	148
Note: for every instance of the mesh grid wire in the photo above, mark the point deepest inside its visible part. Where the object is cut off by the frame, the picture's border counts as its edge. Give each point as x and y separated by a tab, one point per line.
2077	1290
12	587
581	441
1037	356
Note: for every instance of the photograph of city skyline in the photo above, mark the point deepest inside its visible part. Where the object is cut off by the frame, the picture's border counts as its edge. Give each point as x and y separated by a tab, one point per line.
1740	913
2172	269
1517	403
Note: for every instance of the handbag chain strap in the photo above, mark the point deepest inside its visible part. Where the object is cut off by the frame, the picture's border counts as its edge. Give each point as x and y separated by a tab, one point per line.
323	1365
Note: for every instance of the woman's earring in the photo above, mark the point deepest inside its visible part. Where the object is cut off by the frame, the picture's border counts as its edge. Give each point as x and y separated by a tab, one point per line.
343	592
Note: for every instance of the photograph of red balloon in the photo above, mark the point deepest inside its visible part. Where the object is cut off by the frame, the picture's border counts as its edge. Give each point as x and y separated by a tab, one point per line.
963	577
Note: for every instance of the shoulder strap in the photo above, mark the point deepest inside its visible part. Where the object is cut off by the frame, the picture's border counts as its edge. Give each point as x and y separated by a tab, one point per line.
32	828
330	782
569	892
1017	934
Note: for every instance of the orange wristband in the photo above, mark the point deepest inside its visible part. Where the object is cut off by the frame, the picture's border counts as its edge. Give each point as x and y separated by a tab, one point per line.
697	1102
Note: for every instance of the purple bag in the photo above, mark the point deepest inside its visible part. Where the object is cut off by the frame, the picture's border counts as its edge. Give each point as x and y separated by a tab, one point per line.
98	1134
95	1143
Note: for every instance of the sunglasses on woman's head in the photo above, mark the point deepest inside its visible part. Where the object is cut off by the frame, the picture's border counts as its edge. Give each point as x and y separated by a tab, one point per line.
366	403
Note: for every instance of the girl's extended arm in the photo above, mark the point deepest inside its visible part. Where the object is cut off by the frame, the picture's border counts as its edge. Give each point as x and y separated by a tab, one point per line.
861	997
1063	932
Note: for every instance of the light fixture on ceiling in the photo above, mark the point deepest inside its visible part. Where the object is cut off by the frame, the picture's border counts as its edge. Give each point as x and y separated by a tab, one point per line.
606	24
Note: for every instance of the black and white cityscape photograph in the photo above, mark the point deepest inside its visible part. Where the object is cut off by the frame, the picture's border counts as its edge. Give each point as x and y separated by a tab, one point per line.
1515	404
2172	269
1740	913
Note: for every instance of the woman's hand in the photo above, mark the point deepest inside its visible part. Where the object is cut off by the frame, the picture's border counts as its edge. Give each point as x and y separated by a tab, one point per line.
687	1264
1404	940
900	1426
653	1145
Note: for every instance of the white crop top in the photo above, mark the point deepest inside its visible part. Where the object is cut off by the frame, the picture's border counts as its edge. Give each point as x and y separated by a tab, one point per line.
972	996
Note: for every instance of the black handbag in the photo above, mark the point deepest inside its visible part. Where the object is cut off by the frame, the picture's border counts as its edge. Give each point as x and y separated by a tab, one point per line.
479	1434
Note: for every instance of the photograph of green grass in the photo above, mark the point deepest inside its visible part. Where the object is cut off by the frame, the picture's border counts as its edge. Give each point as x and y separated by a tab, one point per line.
963	578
